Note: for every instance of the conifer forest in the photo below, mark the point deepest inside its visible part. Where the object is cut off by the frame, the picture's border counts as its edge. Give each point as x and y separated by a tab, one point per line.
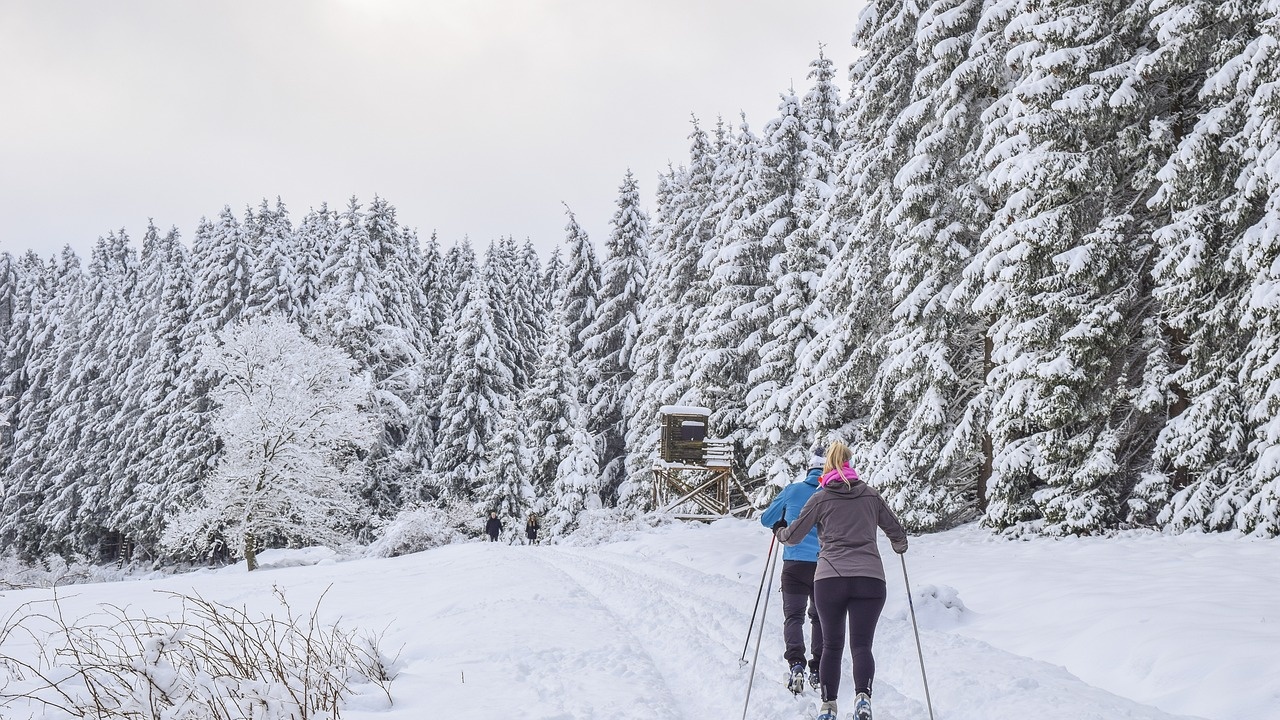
1023	256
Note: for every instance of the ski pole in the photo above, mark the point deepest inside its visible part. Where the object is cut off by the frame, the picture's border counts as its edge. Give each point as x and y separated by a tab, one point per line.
767	561
916	628
773	565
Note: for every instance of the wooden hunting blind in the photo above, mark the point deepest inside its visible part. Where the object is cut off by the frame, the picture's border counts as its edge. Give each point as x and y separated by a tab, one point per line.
694	473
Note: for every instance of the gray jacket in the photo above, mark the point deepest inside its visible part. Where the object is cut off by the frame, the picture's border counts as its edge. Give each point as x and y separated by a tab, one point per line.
847	516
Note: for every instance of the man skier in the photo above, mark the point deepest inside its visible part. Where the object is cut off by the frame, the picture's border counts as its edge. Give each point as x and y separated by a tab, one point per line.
799	562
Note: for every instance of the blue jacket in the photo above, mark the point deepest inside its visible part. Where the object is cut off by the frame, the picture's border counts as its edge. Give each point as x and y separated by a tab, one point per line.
787	505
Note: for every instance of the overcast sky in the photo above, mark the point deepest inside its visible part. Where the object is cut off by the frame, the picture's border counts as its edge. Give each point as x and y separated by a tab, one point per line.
472	117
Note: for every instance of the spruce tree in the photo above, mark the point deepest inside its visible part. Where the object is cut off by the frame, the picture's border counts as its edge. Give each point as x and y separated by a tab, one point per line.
506	486
776	452
275	285
475	395
609	341
1259	255
581	284
1200	459
1061	262
549	406
163	479
577	484
53	310
926	438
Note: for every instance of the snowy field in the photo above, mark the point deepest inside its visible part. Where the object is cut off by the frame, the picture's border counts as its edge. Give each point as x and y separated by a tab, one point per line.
1144	626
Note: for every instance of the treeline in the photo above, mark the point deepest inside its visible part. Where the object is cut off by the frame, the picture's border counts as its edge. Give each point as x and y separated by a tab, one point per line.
1026	261
1028	264
109	426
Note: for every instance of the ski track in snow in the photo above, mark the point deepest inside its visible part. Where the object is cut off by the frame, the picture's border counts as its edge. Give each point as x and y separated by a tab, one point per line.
623	631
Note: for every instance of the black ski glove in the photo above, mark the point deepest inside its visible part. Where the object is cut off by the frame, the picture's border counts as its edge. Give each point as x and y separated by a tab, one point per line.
780	524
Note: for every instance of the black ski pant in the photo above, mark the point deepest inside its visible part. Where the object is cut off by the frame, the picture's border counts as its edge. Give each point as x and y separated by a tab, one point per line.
797	596
857	600
493	537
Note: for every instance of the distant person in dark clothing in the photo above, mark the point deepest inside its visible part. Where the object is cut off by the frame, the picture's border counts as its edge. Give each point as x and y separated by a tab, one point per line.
493	527
531	528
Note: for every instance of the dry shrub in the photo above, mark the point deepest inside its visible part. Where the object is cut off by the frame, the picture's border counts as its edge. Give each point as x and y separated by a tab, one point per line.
214	662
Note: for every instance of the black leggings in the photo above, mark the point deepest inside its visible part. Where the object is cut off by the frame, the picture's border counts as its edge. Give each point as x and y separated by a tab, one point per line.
858	600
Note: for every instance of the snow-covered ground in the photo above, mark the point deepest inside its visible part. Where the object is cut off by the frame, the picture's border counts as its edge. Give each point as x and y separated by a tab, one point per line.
1142	626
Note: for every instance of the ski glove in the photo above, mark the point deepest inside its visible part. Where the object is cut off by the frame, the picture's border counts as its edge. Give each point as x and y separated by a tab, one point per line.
780	524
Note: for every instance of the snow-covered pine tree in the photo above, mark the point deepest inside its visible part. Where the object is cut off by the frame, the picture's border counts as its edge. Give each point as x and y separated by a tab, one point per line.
580	285
835	369
692	235
776	451
310	251
682	230
1259	256
1062	267
530	317
475	395
290	415
274	287
52	290
577	484
552	276
224	266
925	425
459	266
549	405
609	341
80	437
160	481
641	408
366	308
431	280
801	315
1200	460
500	264
722	349
506	487
26	282
15	296
398	368
422	435
139	321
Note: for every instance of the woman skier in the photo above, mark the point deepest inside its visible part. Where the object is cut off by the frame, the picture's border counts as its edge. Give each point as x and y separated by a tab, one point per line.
849	582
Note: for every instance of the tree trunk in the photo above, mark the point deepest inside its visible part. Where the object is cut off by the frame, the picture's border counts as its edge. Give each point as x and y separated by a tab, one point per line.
250	552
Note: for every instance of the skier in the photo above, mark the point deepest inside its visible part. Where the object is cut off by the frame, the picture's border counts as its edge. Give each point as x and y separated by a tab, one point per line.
531	528
798	566
849	582
493	527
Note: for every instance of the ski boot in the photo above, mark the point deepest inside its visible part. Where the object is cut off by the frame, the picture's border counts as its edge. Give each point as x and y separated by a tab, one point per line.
795	681
862	707
827	711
